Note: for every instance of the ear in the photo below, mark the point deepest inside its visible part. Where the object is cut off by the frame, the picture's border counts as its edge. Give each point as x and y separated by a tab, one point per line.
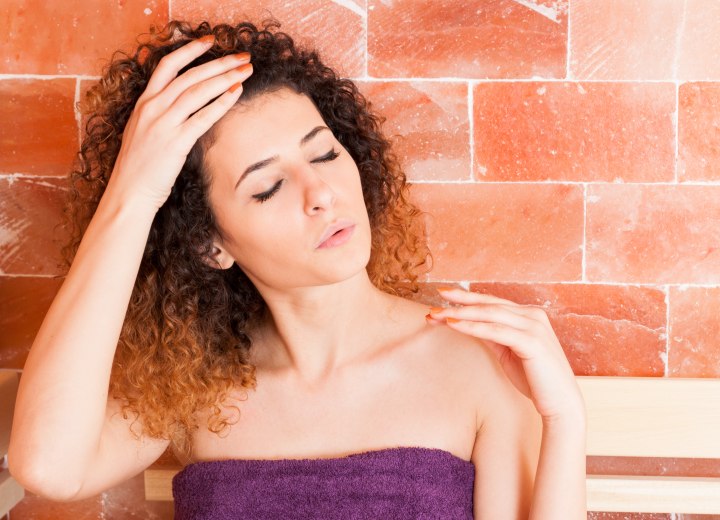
220	258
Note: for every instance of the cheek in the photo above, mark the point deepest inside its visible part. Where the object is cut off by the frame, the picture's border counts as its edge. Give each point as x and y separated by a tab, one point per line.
273	233
263	251
351	177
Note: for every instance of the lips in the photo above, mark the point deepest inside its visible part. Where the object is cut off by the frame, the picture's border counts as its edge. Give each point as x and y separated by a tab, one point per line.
332	229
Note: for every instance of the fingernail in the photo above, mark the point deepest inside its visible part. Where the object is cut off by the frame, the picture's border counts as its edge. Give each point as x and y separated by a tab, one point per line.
431	320
451	320
235	87
445	288
244	68
207	39
435	310
243	55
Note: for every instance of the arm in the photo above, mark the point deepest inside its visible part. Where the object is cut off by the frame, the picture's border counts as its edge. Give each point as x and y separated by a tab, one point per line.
507	447
524	343
63	391
527	467
560	483
65	442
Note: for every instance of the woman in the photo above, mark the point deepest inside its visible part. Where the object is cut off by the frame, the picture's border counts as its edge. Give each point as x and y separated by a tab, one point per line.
247	228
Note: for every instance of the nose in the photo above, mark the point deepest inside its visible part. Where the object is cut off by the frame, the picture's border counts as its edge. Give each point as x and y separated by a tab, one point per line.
319	196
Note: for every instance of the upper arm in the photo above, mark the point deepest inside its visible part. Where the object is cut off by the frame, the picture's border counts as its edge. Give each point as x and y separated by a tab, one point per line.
121	455
506	450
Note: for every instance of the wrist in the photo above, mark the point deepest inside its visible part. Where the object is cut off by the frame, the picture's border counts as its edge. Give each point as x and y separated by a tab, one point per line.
118	199
573	418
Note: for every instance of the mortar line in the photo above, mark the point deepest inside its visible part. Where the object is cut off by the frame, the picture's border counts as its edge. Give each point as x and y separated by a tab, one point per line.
471	130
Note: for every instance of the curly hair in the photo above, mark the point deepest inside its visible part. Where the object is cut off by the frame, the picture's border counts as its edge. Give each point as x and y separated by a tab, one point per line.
182	347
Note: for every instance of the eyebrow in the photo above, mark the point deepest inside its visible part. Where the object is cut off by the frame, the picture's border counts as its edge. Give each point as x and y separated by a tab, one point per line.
266	162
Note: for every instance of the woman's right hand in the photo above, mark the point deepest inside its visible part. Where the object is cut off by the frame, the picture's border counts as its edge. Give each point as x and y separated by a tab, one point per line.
160	131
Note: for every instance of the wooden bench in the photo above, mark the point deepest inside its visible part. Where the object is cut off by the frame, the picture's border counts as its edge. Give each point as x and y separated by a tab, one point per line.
10	491
653	417
627	417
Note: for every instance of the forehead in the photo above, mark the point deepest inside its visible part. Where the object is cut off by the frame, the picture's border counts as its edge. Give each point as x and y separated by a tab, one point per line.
267	119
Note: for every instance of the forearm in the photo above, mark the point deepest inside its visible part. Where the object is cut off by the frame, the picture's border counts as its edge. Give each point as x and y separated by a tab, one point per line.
560	485
60	408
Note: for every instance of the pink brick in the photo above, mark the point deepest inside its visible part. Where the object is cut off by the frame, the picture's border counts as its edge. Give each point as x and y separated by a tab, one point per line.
39	508
694	332
626	39
645	39
24	303
40	132
456	38
595	324
337	29
503	232
699	132
72	36
574	131
428	124
30	210
699	44
653	234
655	466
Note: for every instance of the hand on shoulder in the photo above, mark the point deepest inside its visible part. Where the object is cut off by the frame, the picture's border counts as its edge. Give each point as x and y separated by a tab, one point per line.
524	344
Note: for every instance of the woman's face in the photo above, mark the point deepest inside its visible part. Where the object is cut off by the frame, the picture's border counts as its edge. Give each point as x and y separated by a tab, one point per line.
273	215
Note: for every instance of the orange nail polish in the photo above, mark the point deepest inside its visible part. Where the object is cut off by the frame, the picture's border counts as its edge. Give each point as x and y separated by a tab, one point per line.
207	39
435	310
432	321
235	87
445	288
245	67
451	320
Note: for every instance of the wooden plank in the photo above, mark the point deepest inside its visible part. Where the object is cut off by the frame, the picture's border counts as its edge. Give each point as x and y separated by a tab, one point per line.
8	392
652	417
158	484
627	416
10	492
618	493
606	493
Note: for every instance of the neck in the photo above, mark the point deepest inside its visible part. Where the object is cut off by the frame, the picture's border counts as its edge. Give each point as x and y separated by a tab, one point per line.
312	332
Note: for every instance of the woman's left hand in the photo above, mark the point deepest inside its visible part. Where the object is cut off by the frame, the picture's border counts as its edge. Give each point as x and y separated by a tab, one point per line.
524	343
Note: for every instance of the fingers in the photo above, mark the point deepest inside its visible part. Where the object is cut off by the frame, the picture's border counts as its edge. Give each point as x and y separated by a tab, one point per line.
522	342
503	314
170	64
193	79
197	96
477	300
458	295
200	122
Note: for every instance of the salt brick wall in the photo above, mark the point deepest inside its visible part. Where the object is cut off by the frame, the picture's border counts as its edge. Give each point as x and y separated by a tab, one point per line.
566	151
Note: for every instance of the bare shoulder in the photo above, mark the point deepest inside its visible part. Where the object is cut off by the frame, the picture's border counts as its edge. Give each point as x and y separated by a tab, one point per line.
466	361
474	365
508	428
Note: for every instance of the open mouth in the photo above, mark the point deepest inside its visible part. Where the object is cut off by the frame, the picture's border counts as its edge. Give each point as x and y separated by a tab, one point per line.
339	237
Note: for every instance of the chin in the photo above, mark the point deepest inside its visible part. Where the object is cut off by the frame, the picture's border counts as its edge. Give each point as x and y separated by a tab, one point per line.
344	267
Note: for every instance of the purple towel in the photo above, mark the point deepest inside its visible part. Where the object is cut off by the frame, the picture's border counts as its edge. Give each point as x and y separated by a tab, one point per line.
391	483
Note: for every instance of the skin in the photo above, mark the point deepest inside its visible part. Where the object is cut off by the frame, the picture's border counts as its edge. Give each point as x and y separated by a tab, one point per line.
343	367
315	326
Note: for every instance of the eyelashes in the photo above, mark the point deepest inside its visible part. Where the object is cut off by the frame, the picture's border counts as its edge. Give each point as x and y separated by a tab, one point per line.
262	197
330	156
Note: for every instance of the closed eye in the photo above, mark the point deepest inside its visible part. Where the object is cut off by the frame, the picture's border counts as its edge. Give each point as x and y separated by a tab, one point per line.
330	156
262	197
